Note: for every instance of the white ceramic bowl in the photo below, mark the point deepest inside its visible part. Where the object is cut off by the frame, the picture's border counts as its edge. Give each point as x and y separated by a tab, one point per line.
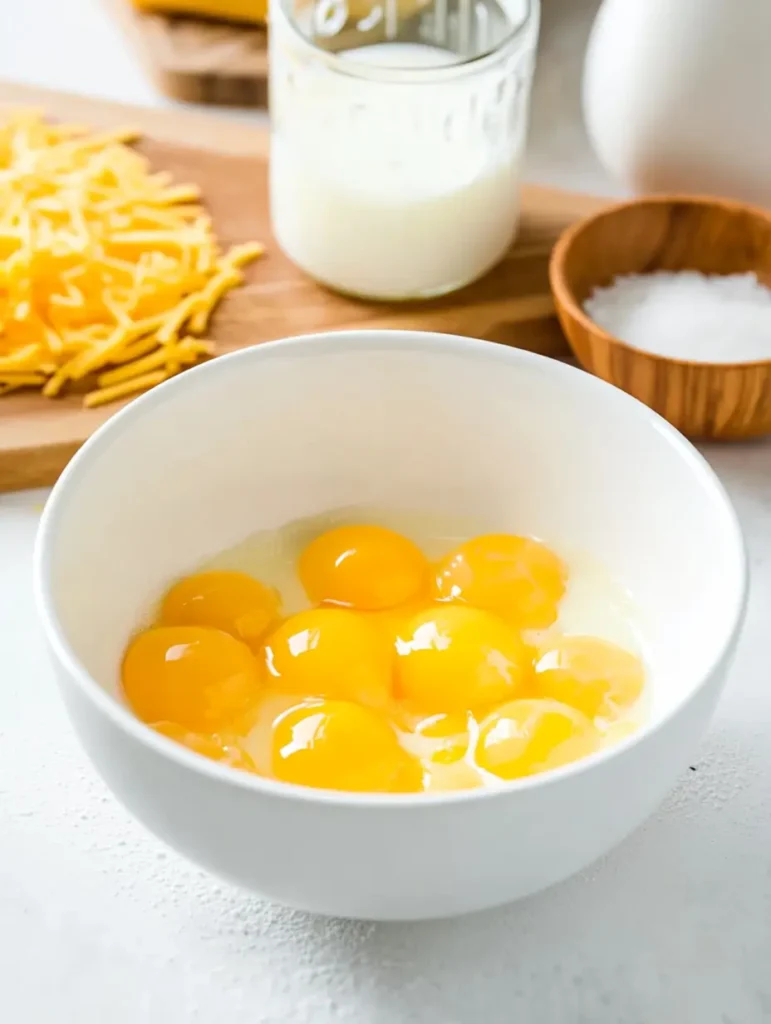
419	422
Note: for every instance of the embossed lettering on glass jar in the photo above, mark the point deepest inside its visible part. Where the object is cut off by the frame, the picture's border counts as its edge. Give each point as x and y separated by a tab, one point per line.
398	131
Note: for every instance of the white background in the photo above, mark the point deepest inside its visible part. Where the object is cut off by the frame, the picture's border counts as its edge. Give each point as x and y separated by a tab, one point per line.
99	924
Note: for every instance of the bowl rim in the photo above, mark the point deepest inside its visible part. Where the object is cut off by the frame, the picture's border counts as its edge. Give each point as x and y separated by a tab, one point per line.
122	718
565	296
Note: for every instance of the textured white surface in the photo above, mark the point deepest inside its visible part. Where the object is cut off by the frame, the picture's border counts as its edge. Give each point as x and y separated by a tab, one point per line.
99	923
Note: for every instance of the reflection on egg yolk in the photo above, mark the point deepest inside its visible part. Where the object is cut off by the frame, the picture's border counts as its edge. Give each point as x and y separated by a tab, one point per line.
516	577
201	678
441	739
339	745
330	652
444	725
528	736
452	733
213	746
592	675
456	658
392	623
362	567
231	601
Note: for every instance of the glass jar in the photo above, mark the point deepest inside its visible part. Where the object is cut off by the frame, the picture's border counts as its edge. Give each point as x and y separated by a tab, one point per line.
398	131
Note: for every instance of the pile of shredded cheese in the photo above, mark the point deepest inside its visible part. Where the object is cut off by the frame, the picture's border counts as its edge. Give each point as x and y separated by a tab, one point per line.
108	271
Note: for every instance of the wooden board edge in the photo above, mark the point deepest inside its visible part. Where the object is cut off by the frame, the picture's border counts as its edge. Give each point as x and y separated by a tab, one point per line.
27	468
150	35
211	90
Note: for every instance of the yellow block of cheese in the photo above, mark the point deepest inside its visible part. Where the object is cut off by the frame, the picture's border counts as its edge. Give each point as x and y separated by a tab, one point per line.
230	10
257	10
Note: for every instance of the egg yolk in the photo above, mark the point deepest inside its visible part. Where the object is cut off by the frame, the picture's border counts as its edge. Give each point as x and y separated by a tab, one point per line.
213	746
455	658
442	739
516	577
334	744
393	623
592	675
362	567
200	678
443	743
231	601
444	726
399	677
449	734
528	736
330	652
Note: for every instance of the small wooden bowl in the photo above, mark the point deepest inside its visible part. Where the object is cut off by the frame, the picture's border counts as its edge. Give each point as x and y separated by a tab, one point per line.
714	236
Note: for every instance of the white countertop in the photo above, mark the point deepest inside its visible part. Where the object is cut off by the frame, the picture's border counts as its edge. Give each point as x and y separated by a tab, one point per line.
100	923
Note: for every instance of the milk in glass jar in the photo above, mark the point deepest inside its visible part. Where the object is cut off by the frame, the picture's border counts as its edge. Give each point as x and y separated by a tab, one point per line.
398	130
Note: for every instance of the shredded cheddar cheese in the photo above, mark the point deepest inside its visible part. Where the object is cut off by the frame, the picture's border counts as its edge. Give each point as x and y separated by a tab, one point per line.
107	269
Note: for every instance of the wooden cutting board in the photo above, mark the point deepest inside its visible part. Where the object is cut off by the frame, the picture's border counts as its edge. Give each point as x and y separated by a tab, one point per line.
198	61
511	305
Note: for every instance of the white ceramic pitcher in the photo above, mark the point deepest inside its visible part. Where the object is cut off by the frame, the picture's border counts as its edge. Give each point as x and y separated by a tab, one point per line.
677	95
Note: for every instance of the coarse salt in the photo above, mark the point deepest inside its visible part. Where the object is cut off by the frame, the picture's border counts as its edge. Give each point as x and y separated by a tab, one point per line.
687	315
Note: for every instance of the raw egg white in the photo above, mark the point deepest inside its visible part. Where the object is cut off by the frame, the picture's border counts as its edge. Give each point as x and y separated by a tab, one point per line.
421	653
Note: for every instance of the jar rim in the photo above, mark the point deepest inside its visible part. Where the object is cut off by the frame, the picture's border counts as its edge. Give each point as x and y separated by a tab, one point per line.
347	67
